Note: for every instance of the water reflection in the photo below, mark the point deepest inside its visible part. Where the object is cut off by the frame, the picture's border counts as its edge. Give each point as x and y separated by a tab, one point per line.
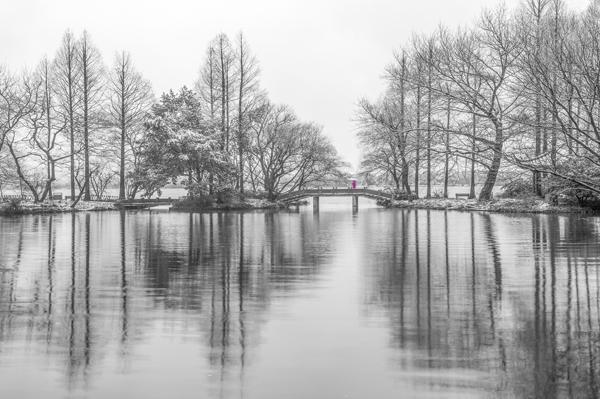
522	310
473	304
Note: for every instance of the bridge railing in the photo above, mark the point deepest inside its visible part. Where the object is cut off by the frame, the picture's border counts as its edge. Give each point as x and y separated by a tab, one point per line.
323	191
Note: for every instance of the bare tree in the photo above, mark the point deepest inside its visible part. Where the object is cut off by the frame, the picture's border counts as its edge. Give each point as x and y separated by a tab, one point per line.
382	136
247	74
207	87
46	125
100	178
535	12
427	58
289	154
521	90
67	74
217	88
26	94
402	136
477	66
447	146
473	137
130	99
567	77
225	60
418	79
91	69
207	84
17	99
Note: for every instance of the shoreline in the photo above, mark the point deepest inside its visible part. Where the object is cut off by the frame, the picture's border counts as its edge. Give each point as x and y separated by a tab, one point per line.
503	205
29	208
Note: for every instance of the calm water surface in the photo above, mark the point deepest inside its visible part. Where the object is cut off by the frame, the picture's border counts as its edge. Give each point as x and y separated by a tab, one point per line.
379	304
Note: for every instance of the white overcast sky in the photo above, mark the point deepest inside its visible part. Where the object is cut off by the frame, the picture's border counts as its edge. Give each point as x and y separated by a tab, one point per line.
318	56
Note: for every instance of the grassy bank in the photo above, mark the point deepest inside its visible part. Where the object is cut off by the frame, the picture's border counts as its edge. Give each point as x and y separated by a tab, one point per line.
504	205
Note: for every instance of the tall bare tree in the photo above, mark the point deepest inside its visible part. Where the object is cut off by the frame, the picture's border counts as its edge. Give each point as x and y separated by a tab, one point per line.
208	88
225	59
447	146
536	10
429	60
247	74
91	69
67	74
419	96
130	99
402	137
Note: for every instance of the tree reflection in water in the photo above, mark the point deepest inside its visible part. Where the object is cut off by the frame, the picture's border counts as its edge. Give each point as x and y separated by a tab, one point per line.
473	302
478	287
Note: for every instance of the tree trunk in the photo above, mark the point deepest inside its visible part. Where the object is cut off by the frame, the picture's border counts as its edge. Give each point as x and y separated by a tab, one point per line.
223	96
402	136
122	166
405	182
472	180
417	155
51	178
447	153
49	145
72	136
22	177
429	125
240	122
486	192
123	132
86	148
537	186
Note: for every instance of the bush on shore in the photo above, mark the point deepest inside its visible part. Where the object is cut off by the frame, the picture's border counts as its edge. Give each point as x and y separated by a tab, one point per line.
562	192
517	188
12	207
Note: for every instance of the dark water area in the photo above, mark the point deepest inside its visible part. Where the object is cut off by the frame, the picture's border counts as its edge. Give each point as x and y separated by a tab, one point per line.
377	304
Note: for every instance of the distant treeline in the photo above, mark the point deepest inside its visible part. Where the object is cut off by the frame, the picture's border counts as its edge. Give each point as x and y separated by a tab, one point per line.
75	120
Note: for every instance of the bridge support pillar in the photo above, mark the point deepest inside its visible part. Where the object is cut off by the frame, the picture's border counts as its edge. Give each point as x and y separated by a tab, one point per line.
355	203
315	204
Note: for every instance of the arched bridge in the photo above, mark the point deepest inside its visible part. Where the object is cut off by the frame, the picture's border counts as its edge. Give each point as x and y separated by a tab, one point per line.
335	192
142	203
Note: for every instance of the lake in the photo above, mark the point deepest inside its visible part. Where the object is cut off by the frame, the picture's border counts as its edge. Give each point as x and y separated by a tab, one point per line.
383	303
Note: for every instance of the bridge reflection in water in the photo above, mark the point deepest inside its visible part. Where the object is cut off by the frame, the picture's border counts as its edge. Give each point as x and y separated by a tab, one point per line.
261	305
